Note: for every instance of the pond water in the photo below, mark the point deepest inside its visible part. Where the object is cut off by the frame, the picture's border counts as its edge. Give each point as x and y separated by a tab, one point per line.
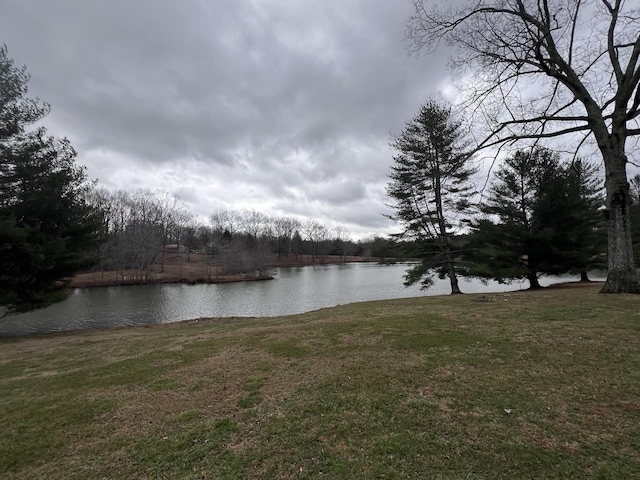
294	290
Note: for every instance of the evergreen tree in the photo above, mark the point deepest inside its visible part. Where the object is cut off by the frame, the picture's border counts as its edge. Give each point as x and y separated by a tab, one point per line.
585	231
507	242
634	211
47	226
540	217
430	188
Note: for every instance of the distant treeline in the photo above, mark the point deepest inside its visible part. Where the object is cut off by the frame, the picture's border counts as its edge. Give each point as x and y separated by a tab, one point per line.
142	226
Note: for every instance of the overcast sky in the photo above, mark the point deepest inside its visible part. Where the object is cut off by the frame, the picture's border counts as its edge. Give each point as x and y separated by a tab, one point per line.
281	106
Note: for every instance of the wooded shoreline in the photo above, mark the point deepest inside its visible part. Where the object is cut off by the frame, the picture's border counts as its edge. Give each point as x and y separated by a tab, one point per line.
198	268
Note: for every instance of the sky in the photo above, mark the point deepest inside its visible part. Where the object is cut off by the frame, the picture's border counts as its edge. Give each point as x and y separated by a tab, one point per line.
285	107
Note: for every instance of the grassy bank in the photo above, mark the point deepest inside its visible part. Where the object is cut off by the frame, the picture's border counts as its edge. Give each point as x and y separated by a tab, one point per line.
542	385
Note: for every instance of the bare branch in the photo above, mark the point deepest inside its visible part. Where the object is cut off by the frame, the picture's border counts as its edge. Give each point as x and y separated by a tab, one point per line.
613	52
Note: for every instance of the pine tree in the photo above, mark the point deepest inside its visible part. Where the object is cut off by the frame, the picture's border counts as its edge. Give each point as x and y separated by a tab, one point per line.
47	227
541	217
430	188
634	212
507	241
585	231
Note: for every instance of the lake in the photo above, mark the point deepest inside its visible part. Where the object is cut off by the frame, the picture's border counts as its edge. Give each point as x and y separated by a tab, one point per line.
294	290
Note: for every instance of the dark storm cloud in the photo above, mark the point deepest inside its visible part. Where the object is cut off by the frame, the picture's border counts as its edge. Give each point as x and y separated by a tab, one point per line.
279	104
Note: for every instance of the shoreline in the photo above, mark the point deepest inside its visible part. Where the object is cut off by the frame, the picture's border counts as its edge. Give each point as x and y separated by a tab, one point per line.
198	270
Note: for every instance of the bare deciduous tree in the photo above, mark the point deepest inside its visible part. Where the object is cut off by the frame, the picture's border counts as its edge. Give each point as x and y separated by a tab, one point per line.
316	233
341	236
225	220
546	69
284	229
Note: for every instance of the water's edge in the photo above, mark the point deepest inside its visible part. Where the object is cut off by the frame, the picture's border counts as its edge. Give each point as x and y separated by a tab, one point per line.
294	290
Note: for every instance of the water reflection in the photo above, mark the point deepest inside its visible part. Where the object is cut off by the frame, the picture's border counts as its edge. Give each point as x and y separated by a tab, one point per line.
294	290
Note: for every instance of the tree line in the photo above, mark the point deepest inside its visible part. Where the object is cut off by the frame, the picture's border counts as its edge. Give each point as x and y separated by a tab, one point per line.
140	226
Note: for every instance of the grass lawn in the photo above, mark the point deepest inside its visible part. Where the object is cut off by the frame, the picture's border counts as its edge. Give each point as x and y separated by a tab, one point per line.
526	385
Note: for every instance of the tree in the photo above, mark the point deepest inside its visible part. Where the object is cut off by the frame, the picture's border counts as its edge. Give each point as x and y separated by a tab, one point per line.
518	238
429	185
171	215
635	217
551	68
284	229
541	217
585	237
340	238
316	233
140	223
48	228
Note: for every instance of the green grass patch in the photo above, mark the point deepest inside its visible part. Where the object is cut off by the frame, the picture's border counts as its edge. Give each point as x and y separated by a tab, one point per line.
195	452
524	385
252	387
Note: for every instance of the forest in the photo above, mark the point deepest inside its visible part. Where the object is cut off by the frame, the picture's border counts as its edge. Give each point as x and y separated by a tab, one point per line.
142	229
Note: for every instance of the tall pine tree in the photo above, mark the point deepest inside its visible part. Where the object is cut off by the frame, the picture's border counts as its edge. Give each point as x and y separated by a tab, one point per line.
430	188
47	227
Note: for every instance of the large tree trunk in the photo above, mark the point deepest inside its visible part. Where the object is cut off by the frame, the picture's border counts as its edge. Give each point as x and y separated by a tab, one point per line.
621	277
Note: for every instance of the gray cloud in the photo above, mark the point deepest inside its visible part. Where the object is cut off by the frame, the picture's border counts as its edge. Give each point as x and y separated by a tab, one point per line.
274	105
